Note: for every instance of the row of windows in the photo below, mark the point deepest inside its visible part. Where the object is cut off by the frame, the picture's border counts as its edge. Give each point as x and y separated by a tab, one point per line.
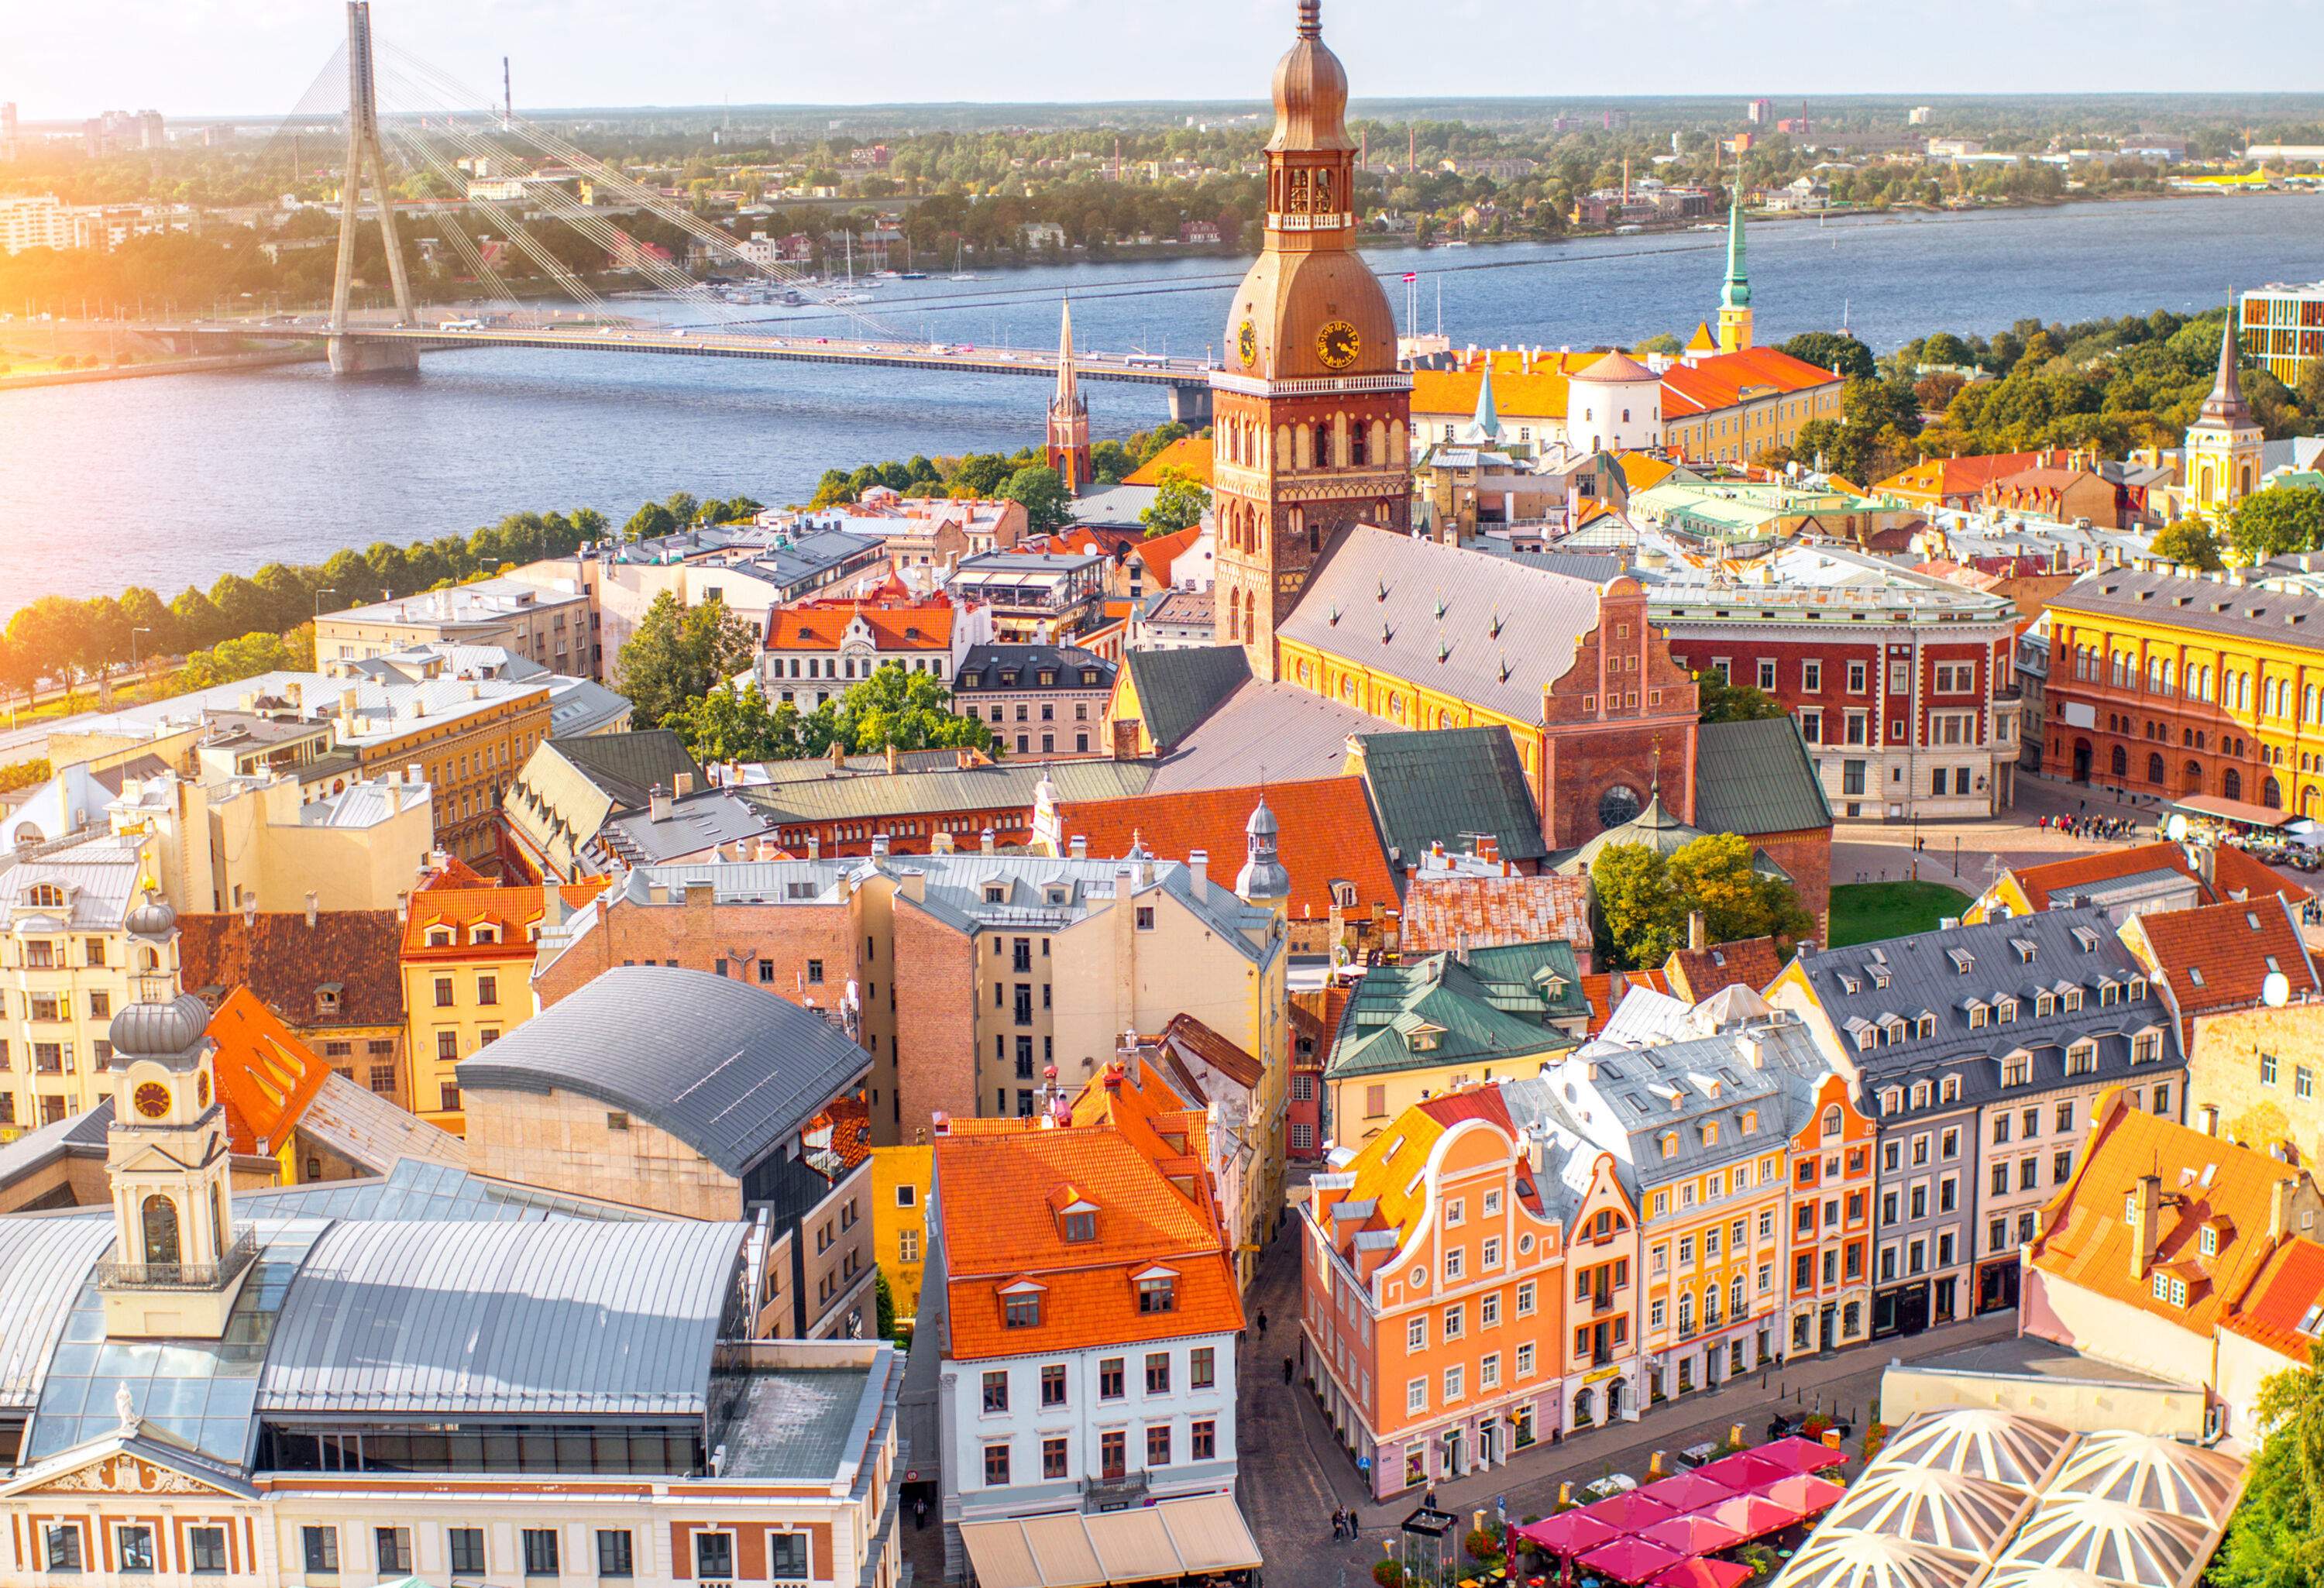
1456	1379
47	953
1054	1380
1112	1452
58	1006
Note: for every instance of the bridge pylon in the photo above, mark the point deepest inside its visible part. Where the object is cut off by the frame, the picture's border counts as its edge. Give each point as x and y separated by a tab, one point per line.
348	356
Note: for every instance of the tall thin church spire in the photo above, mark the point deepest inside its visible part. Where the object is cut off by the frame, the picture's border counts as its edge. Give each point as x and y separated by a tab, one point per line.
1068	440
2225	406
1735	294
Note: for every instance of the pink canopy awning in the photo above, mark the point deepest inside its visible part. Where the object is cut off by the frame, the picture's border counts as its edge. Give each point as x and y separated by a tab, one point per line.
1754	1516
1693	1534
1807	1495
1629	1513
1800	1455
1630	1560
1703	1572
1568	1533
1746	1473
1687	1491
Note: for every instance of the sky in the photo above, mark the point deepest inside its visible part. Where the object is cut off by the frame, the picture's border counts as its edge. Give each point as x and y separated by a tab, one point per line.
70	59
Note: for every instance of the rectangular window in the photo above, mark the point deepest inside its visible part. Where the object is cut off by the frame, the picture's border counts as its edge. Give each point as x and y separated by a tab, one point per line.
1202	1368
488	989
1158	1294
63	1550
541	1552
205	1551
443	992
996	1466
1053	1384
133	1546
1416	1395
787	1559
713	1556
1110	1379
464	1549
1768	676
996	1390
1112	1456
394	1547
1054	1461
615	1556
1203	1440
1812	676
1454	1382
1158	1446
319	1547
1157	1372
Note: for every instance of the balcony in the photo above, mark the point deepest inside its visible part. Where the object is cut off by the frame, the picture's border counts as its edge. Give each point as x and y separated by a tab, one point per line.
182	1275
1121	1492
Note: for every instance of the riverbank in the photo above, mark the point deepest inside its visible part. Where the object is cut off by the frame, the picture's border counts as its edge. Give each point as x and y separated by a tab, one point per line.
202	363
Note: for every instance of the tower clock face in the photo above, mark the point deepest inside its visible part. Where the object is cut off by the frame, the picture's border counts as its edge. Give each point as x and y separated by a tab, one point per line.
152	1099
1337	344
1246	343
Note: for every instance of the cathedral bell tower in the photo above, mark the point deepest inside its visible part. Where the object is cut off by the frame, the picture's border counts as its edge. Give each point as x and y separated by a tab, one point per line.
2223	443
1069	433
1310	415
176	1264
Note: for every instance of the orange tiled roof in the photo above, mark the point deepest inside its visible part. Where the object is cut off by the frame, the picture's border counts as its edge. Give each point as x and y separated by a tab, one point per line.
1191	455
849	1119
1722	380
266	1076
2086	1240
1957	477
895	625
510	912
1643	471
1516	396
2288	1287
1161	551
1438	911
1328	834
1391	1169
2219	955
1143	1174
2234	874
1695	973
455	873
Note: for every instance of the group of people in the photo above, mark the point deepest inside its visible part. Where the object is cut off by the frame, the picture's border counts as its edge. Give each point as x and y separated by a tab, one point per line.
1344	1521
2091	827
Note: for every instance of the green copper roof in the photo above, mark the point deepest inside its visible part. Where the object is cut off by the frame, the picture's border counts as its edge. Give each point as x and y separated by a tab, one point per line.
1754	778
1446	785
1439	1010
1736	292
1177	690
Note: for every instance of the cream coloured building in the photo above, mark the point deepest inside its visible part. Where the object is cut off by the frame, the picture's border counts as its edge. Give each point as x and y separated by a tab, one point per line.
64	975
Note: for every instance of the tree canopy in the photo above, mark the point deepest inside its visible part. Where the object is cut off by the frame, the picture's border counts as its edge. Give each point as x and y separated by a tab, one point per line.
909	710
1723	702
2276	1538
1040	490
677	655
1835	350
1179	503
2279	520
1646	897
2190	542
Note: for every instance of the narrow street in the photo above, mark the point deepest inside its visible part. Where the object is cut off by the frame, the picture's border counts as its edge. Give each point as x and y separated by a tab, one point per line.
1293	1473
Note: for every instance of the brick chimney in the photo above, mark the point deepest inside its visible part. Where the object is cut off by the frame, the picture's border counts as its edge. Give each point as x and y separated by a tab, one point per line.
1698	932
984	842
2279	1208
894	760
701	895
314	904
682	785
658	805
1198	868
2145	1220
940	844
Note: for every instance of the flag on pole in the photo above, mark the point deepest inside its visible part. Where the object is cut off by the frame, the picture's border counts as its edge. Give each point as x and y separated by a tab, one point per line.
1411	275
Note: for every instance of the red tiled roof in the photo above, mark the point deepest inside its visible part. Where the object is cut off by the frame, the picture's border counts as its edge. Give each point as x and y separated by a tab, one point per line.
1722	381
1161	551
1327	834
1605	989
1958	476
2280	1299
1191	455
455	873
1695	973
290	964
2234	874
1438	911
848	1118
2220	956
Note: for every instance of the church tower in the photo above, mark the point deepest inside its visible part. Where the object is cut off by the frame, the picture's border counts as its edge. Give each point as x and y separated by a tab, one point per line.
2223	444
1735	295
1311	418
1069	440
175	1265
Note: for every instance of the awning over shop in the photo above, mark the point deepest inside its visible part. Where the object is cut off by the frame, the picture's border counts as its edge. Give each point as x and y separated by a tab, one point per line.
1176	1539
2242	813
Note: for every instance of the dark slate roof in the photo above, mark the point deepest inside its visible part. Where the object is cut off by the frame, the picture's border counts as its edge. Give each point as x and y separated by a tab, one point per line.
1757	778
2207	604
1176	690
627	766
984	664
1941	973
731	1071
1443	784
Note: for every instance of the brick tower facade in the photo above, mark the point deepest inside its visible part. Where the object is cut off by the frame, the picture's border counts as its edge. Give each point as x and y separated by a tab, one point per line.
1310	414
1069	435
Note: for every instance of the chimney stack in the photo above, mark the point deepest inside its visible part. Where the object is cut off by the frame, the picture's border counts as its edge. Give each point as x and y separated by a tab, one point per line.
2146	1223
658	805
1078	846
2279	1208
984	841
940	844
814	847
249	910
878	846
314	904
1698	931
1198	867
894	760
682	785
700	895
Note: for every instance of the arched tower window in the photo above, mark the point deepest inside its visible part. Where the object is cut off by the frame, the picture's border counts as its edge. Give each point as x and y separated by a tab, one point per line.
159	1217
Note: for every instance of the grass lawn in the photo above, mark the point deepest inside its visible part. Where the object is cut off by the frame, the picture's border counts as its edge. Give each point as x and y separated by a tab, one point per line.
1866	912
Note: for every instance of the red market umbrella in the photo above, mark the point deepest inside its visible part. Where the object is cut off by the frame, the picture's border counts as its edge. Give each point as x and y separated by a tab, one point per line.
1703	1572
1688	1491
1629	1513
1693	1536
1568	1533
1748	1472
1805	1494
1800	1455
1628	1560
1755	1516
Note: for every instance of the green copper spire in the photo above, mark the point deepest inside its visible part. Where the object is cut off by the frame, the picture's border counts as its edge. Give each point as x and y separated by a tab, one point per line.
1487	421
1736	292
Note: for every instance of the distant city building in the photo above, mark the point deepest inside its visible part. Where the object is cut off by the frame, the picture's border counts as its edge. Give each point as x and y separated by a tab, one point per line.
2283	326
549	627
1759	112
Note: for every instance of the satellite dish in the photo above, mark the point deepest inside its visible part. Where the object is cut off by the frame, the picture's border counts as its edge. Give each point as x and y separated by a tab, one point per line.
2276	990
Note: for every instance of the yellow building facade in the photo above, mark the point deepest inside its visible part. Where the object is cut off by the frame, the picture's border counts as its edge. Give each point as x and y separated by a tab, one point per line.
2256	1077
899	1211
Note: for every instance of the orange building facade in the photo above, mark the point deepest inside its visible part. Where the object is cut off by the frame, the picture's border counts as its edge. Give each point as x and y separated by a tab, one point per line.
1828	1288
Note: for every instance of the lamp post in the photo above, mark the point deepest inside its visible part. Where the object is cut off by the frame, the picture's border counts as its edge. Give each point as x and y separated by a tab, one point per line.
326	590
133	633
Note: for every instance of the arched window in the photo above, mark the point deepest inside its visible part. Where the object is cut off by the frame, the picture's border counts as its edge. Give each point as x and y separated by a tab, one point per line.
2231	784
1323	458
159	1218
1831	1121
2154	770
2270	794
2119	760
2193	774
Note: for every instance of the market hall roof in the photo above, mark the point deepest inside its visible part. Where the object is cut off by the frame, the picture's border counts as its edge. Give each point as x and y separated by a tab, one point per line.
723	1068
1482	629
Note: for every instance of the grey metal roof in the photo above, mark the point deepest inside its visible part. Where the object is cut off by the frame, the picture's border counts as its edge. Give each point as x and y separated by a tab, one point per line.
371	1132
2206	604
713	816
724	1067
1262	734
527	1320
418	1191
1757	778
46	1261
581	706
1177	690
1941	973
1631	1100
627	767
99	878
1002	786
1444	784
984	664
1430	612
795	1423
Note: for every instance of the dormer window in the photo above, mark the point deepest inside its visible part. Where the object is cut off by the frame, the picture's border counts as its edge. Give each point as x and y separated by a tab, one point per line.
1670	1144
484	934
1949	1090
2073	1000
1021	1308
1080	1226
439	938
2006	1011
1158	1292
1963	960
1928	1027
2208	1241
1865	1037
2045	1004
327	998
2137	988
45	896
1711	1133
996	892
1750	1121
1920	1094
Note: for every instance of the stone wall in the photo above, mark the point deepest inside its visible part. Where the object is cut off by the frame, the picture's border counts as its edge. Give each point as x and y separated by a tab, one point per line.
564	1141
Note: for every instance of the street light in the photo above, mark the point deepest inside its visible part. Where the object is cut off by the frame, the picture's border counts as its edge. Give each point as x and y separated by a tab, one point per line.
326	590
141	629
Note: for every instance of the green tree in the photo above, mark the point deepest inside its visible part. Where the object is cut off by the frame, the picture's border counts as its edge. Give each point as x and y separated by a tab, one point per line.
884	1305
230	660
1660	342
911	711
1723	702
1042	492
2190	542
726	726
48	634
1834	350
2276	521
1179	503
684	508
1646	897
678	654
650	522
19	673
1632	886
2275	1539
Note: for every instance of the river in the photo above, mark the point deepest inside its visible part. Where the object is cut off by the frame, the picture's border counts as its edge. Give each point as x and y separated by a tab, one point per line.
167	481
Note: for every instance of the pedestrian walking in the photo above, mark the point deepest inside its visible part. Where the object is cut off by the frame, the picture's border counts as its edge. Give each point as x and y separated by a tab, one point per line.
1351	1521
1286	1369
920	1513
1262	1323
